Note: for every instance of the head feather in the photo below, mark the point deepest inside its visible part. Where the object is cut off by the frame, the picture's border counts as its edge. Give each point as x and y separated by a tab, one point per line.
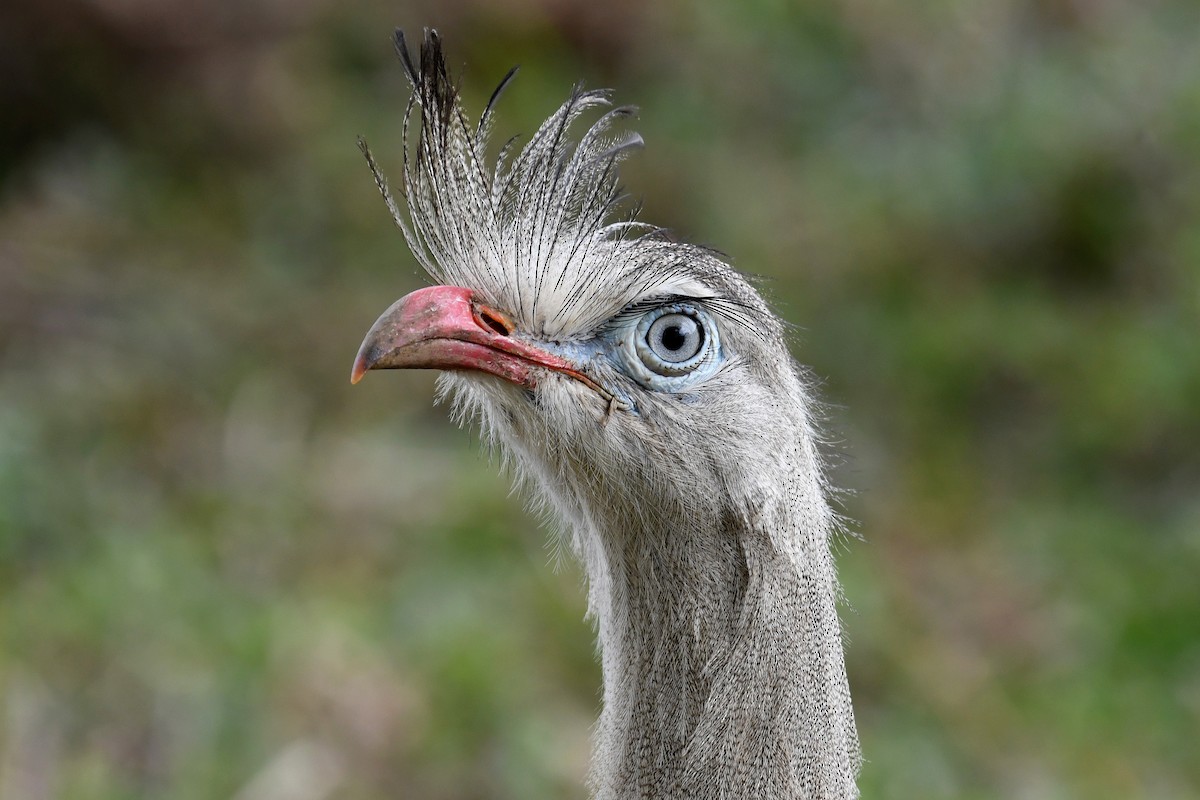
545	234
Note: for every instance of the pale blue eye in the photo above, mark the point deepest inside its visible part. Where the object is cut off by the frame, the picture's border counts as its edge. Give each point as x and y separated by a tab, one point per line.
673	341
675	338
668	348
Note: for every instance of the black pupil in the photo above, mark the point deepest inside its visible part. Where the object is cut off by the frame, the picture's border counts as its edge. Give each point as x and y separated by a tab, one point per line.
673	337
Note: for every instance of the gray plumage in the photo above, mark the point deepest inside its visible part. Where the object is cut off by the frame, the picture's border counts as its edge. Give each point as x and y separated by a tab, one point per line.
694	498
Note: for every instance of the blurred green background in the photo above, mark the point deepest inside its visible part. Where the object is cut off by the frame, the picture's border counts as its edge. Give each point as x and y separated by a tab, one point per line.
226	573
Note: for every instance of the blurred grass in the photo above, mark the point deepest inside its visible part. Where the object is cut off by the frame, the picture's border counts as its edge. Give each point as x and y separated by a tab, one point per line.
225	574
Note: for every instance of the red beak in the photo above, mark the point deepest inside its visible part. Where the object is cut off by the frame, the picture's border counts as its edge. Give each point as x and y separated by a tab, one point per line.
444	327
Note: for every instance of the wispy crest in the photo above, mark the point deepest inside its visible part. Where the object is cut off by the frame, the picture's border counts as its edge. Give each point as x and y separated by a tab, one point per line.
546	233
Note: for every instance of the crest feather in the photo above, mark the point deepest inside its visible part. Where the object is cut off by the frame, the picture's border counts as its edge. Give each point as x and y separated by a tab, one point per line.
546	233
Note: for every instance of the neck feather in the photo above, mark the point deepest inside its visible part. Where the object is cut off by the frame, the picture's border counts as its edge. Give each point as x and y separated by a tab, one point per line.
715	597
723	666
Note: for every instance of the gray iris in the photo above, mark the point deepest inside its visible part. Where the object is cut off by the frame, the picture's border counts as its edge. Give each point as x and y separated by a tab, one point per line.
675	337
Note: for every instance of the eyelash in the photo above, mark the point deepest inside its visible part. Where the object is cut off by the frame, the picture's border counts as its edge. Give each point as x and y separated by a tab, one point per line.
638	308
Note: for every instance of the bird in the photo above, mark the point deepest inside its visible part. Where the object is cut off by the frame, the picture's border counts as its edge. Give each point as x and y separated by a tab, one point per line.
644	392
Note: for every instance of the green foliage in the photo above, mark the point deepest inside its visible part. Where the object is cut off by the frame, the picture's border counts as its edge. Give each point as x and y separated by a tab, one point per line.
225	573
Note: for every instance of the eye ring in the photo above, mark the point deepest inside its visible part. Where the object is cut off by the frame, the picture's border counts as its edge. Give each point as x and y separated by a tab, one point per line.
673	340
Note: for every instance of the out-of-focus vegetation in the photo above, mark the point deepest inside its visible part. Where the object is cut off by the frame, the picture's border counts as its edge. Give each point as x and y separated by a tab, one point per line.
225	573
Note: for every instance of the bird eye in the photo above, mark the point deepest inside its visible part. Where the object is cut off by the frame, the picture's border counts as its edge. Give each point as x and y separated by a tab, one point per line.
675	338
672	341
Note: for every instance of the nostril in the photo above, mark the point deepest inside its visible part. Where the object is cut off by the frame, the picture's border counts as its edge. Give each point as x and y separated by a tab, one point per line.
493	320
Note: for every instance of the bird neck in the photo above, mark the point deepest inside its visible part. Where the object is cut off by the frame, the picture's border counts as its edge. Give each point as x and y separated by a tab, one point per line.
723	666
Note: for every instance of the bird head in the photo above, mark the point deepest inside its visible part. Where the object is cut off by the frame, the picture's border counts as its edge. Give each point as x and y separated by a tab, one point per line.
629	375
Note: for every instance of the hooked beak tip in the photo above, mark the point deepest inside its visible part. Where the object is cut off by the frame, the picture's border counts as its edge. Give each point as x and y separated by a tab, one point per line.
361	365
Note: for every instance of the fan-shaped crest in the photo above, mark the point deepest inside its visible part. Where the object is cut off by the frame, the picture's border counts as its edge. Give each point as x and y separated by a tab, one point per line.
541	233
